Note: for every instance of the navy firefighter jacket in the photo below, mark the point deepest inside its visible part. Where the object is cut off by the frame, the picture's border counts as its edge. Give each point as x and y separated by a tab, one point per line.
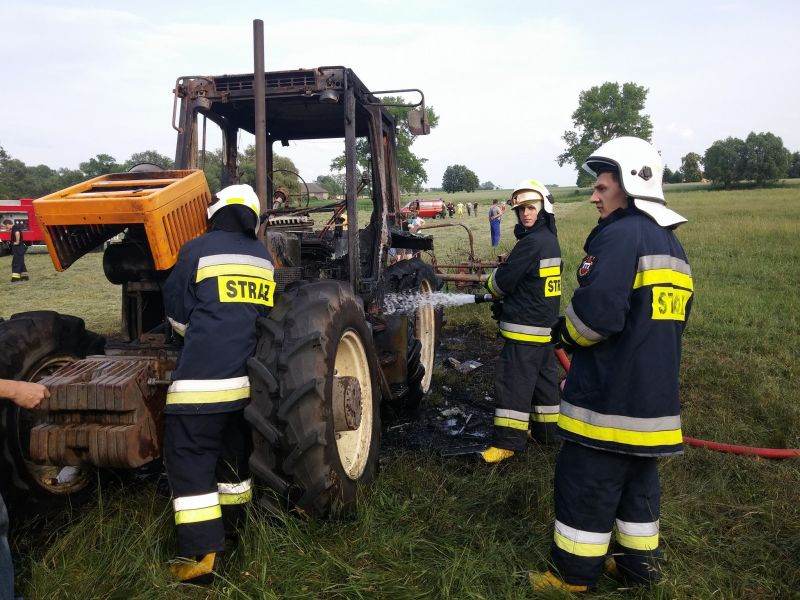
625	321
529	282
222	282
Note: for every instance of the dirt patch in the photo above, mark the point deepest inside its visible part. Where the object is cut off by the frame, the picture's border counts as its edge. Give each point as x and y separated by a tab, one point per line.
457	413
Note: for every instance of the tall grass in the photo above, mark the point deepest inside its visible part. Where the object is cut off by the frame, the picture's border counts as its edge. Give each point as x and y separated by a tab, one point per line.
451	528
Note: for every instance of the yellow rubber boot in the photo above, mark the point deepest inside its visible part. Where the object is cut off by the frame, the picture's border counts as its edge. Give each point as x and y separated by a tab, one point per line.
542	582
195	571
495	455
611	567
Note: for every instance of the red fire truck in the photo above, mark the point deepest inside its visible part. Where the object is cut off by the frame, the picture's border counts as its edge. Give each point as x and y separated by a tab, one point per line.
18	211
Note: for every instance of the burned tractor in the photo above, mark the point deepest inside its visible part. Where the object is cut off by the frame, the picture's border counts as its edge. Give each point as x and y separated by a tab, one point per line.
327	359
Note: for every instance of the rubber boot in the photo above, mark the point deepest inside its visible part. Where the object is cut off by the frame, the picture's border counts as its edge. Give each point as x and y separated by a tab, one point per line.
494	455
543	582
196	572
611	568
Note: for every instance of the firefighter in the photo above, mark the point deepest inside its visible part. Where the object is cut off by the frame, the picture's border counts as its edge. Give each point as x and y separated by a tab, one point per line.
529	283
18	248
620	409
222	282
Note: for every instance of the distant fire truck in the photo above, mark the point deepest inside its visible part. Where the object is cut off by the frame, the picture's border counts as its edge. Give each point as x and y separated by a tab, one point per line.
14	212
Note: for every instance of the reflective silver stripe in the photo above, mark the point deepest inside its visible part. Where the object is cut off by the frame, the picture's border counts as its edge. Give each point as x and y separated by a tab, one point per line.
209	385
637	529
239	259
546	409
193	502
493	287
582	537
235	488
511	414
618	421
663	261
529	329
179	328
581	327
549	262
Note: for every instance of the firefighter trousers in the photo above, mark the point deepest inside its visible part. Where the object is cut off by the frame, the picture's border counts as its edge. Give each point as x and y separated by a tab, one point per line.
206	459
527	395
18	269
597	491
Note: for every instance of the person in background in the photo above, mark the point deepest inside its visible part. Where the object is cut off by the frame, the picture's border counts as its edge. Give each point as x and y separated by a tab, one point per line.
469	209
495	214
18	248
278	199
28	396
460	209
475	209
415	223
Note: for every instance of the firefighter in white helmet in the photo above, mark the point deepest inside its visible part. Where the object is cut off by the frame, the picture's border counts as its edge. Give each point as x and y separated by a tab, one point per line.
223	281
620	409
529	286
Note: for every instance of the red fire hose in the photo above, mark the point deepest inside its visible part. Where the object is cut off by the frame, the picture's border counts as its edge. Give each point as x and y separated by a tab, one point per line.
563	359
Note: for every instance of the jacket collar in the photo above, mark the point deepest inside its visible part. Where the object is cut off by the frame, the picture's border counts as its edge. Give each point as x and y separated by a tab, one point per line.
618	214
520	231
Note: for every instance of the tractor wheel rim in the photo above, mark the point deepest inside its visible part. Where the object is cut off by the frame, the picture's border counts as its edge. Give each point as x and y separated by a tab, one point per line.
46	476
354	446
425	332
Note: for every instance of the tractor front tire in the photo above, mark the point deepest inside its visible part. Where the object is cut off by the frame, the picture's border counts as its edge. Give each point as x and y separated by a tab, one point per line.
32	346
424	329
315	335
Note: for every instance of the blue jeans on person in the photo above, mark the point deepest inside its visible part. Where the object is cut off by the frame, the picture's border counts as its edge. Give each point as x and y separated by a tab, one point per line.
494	227
6	566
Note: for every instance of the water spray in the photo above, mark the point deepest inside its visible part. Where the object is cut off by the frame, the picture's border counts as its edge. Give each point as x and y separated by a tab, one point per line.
407	303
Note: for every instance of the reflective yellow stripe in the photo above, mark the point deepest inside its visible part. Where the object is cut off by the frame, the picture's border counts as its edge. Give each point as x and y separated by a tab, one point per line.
662	276
208	397
543	418
525	337
232	269
620	436
579	548
577	337
549	271
242	498
196	515
638	542
511	423
490	285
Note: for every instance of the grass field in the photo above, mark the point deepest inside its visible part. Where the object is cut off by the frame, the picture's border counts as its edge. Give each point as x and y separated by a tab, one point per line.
433	527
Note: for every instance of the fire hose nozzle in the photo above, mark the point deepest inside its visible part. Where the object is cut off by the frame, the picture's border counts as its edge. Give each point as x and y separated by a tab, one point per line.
484	298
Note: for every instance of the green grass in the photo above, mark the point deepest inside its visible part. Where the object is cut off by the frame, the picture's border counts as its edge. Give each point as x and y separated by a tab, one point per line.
432	527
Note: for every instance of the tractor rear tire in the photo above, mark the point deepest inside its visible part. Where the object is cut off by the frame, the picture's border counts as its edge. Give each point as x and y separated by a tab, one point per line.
316	332
424	329
33	345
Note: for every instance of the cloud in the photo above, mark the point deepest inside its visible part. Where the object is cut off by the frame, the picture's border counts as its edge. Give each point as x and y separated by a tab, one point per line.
100	80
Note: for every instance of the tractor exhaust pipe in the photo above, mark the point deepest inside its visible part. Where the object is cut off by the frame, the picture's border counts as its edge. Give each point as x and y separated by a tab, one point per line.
260	102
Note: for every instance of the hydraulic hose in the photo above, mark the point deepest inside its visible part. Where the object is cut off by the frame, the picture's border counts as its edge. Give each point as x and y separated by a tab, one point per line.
776	453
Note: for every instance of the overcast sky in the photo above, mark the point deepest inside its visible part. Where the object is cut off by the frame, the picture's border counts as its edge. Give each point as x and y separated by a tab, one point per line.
503	76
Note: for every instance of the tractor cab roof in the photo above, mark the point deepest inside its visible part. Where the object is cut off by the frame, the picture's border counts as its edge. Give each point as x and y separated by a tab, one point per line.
301	104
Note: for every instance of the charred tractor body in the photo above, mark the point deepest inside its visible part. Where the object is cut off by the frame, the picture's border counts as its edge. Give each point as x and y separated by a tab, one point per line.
327	359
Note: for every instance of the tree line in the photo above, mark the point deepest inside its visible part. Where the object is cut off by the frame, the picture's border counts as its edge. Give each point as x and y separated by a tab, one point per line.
18	180
611	110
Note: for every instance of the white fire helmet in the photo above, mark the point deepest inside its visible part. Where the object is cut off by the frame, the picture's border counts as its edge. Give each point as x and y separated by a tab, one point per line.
236	194
640	172
532	192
